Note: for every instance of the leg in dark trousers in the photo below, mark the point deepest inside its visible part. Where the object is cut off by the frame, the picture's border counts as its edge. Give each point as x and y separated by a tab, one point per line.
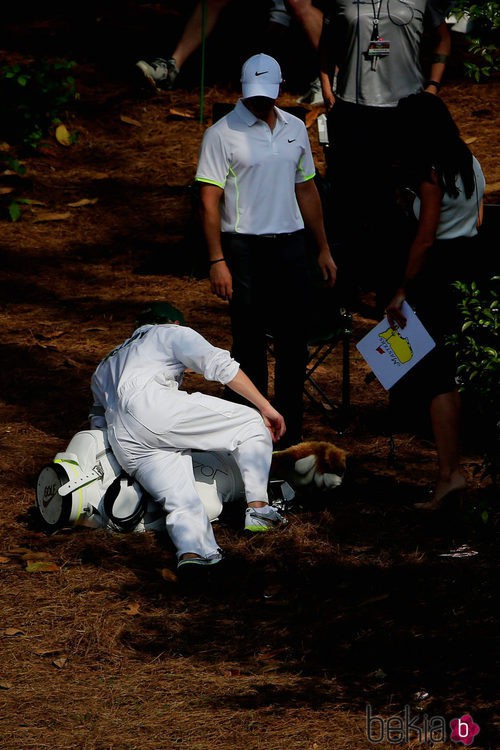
271	295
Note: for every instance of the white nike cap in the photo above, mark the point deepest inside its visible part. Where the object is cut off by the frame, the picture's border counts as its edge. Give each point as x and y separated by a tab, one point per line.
261	76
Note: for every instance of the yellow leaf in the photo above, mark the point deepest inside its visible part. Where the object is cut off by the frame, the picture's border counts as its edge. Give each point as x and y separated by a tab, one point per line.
70	363
18	550
4	560
41	567
168	575
63	136
13	631
59	663
49	336
271	667
6	190
51	217
5	685
181	113
32	556
46	651
130	121
132	609
84	202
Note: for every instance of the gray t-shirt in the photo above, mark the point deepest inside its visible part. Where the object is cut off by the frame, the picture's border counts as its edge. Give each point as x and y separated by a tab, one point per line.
400	24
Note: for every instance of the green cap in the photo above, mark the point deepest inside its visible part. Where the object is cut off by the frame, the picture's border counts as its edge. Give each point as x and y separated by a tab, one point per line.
160	312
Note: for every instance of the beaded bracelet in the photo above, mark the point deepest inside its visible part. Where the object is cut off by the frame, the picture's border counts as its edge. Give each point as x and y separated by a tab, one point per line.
433	83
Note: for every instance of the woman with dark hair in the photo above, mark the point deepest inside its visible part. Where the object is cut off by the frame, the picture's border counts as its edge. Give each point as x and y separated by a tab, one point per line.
448	186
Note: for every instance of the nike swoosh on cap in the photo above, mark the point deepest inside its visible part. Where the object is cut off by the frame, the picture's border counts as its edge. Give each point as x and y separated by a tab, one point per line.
261	73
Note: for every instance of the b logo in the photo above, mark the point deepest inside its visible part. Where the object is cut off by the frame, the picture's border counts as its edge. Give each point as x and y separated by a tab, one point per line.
463	730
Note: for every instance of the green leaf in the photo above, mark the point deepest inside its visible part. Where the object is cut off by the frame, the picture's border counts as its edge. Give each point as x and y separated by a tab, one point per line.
14	211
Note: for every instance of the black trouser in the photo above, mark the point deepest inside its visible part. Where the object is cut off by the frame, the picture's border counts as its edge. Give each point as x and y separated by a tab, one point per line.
365	224
271	295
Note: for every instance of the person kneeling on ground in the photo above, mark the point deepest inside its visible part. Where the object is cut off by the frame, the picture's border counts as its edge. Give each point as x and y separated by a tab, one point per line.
153	426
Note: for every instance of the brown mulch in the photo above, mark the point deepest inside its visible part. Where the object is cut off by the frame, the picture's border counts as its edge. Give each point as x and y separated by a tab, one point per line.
361	601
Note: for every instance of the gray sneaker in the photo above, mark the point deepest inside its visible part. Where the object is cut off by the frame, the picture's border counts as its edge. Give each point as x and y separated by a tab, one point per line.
314	96
160	73
199	562
263	519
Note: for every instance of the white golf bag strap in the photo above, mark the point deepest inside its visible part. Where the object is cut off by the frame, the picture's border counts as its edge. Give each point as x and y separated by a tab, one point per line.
82	479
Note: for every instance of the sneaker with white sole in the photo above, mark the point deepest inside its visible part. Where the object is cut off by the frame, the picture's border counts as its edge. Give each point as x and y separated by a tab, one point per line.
263	519
203	562
160	73
314	96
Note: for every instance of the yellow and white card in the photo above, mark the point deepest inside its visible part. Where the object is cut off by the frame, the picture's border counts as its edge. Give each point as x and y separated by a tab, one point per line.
390	352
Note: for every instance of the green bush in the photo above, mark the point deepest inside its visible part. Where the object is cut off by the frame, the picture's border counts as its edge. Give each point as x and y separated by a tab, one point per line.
478	362
10	165
34	95
483	37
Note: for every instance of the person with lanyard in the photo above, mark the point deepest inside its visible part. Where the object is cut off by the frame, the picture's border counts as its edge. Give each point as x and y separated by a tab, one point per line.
375	48
257	194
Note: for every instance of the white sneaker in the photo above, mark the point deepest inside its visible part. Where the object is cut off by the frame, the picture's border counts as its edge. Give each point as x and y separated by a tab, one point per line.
314	96
160	73
263	519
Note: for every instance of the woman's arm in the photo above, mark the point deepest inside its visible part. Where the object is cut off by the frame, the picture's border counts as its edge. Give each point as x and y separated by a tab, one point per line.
430	210
480	213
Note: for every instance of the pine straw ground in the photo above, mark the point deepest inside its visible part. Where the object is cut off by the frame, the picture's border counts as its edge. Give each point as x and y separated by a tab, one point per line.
355	604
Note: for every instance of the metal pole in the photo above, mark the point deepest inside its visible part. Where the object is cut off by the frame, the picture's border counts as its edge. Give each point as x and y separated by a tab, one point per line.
202	78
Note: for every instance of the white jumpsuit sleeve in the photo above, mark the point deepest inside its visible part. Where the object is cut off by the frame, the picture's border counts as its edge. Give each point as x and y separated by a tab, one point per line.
199	355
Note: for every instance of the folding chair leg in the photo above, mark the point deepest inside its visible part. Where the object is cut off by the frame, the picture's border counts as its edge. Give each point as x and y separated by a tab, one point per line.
317	355
326	404
346	376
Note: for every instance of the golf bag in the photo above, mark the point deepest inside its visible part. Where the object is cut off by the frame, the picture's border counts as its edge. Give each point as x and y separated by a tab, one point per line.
85	486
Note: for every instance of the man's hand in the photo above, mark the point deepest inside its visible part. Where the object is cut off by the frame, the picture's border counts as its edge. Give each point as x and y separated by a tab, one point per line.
221	281
274	422
328	267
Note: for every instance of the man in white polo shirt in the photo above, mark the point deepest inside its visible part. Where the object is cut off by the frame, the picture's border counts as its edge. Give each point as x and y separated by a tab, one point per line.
257	193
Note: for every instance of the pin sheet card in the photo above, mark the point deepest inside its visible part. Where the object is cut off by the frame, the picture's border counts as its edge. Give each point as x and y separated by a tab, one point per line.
391	353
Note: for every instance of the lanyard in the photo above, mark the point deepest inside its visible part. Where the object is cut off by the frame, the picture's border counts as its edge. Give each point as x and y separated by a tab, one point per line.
377	47
376	17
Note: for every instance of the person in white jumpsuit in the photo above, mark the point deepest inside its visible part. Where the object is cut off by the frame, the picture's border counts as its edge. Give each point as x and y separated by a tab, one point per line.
153	426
